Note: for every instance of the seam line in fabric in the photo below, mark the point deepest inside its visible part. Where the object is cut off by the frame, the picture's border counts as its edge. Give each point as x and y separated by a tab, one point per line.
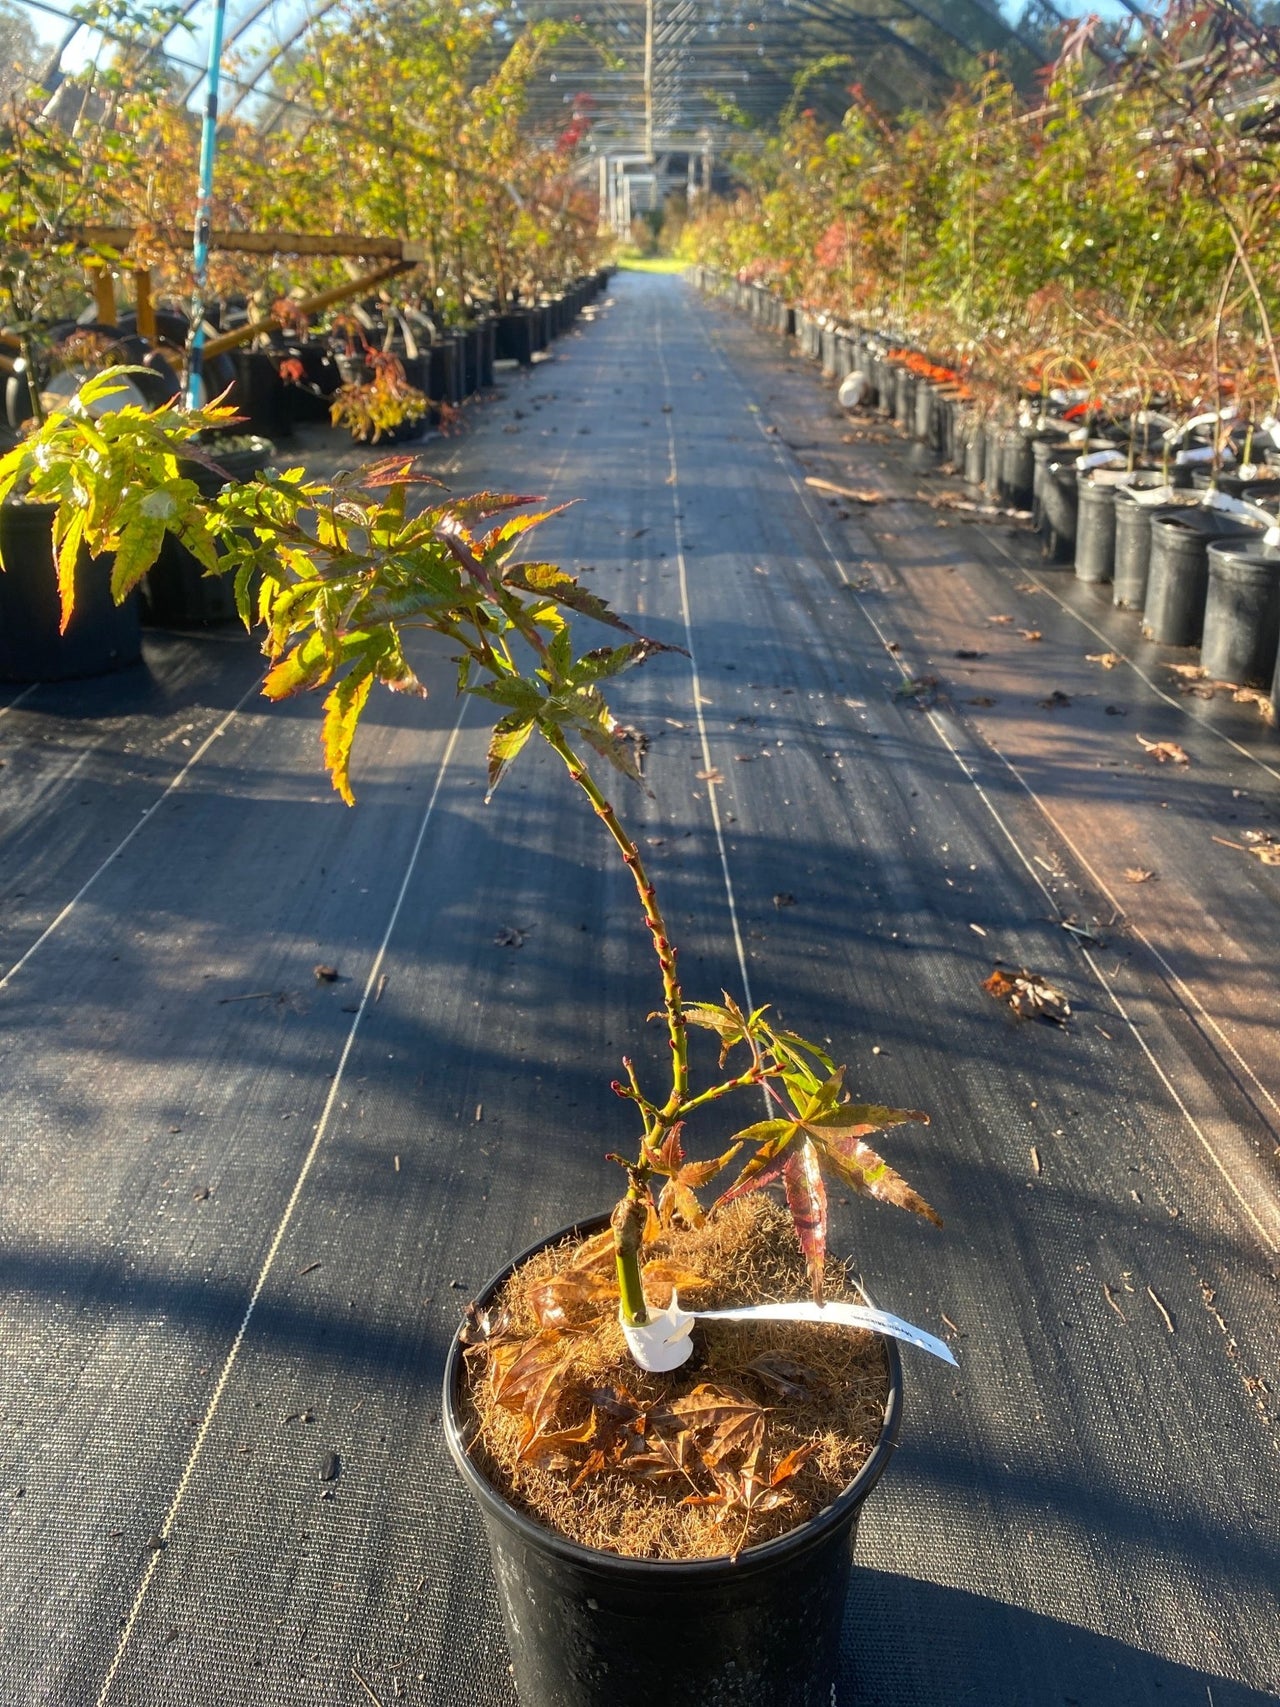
18	699
175	783
322	1127
697	679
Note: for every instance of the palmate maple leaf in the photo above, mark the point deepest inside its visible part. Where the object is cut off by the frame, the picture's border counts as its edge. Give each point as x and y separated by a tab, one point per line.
824	1134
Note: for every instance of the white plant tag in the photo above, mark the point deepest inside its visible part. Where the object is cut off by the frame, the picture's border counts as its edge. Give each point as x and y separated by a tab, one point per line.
1102	459
845	1315
1152	494
664	1342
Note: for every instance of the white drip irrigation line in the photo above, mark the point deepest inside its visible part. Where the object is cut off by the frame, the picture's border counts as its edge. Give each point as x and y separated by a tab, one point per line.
1269	1238
268	1262
674	481
176	782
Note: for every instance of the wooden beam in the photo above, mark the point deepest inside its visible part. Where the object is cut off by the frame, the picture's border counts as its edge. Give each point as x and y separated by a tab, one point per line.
144	307
104	294
308	305
119	237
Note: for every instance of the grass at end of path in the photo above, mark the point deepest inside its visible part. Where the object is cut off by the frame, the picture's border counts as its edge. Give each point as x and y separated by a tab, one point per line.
650	264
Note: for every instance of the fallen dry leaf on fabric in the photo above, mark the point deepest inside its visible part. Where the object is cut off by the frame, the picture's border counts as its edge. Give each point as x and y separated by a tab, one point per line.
326	974
1261	843
1163	751
969	652
1031	634
862	495
999	619
1194	672
923	691
1136	874
982	699
1055	701
1261	702
1028	995
1027	587
713	775
1108	660
944	501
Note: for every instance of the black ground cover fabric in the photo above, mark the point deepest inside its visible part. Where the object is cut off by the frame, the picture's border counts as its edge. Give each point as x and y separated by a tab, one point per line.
241	1208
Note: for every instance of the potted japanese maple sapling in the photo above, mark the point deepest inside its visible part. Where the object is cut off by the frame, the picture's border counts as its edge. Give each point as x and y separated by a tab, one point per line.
669	1440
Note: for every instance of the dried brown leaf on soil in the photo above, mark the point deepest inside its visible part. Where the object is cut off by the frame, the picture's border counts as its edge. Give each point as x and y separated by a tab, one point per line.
1164	752
1028	995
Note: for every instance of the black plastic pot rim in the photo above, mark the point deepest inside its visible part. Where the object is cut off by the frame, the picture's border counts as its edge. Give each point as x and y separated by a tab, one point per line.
750	1559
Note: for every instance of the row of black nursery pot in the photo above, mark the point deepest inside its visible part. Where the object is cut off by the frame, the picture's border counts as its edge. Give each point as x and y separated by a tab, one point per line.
448	366
177	593
1190	550
103	636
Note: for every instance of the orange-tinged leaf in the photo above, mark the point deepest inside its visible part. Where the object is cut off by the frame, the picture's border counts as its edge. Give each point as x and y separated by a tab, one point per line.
677	1199
870	1175
696	1174
795	1460
554	1449
568	1295
68	556
597	1249
342	710
856	1120
807	1201
664	1273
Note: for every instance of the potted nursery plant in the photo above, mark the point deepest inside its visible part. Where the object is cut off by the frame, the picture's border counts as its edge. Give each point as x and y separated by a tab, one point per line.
385	406
658	1481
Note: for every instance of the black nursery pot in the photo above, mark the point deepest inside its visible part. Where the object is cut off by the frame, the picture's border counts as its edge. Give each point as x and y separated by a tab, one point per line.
1132	560
1242	613
592	1629
102	636
1178	576
1095	554
177	591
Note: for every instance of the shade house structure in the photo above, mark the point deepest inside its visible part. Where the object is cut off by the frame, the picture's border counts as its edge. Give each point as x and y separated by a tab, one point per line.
903	376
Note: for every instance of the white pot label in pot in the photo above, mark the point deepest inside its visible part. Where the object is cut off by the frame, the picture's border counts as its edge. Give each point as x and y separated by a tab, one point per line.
664	1342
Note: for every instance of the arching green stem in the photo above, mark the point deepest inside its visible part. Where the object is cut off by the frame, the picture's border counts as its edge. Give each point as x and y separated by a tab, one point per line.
663	947
630	1214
